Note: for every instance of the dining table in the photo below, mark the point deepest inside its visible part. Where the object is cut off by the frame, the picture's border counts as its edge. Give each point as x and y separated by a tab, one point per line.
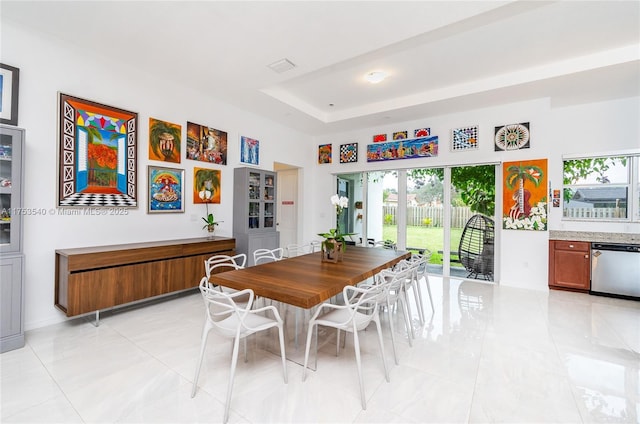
306	281
303	282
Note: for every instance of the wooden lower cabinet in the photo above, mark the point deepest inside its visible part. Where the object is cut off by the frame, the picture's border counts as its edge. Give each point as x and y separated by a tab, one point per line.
96	278
569	265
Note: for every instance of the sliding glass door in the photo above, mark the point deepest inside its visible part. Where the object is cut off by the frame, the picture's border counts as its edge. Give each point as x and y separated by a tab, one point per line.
448	212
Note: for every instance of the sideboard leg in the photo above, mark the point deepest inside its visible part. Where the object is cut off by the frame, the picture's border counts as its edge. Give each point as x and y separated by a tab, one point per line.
97	321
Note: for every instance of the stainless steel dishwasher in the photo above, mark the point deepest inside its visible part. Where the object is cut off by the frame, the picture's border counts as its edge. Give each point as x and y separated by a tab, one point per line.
615	269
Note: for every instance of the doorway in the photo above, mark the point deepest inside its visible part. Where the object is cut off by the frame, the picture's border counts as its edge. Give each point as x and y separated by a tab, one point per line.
287	203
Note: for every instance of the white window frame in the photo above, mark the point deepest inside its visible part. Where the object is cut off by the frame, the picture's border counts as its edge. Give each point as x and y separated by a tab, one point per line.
632	184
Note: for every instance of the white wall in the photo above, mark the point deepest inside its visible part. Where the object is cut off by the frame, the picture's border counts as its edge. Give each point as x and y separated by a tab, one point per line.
48	66
522	255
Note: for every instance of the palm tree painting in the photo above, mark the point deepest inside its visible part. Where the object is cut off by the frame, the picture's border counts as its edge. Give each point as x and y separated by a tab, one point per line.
206	185
164	141
524	195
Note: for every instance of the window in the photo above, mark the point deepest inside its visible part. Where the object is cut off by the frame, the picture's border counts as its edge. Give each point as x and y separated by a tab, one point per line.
601	188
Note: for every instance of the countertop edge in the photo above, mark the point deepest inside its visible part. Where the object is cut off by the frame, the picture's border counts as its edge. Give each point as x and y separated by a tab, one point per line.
589	236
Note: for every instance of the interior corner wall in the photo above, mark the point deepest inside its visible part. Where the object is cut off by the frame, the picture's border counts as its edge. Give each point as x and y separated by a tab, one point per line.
48	66
522	256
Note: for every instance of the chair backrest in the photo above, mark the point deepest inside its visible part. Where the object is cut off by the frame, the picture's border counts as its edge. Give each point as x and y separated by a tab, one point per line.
362	301
393	281
299	249
316	246
221	263
261	256
225	316
385	244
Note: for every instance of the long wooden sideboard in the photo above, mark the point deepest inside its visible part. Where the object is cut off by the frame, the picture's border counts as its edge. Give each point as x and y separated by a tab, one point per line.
90	279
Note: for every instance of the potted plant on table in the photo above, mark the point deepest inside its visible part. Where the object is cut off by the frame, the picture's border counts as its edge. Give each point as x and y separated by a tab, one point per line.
334	241
210	222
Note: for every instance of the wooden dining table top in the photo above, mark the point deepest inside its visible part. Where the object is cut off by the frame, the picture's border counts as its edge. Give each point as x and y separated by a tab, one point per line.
306	281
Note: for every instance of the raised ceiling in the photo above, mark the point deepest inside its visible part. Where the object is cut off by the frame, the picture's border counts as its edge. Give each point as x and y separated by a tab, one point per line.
441	56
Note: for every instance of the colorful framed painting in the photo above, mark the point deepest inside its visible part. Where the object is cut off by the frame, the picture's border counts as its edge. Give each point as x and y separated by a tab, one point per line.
324	153
464	138
422	147
97	162
206	144
249	151
400	135
349	153
206	185
9	85
379	138
166	189
164	141
421	132
512	137
525	195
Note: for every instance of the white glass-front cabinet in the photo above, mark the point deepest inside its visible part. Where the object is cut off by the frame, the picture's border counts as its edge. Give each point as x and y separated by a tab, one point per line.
11	257
254	211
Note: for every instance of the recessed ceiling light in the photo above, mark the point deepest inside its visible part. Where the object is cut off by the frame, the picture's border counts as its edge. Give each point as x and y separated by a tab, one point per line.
375	76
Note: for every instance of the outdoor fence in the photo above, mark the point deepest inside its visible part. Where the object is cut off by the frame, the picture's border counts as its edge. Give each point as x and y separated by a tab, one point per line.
428	216
595	213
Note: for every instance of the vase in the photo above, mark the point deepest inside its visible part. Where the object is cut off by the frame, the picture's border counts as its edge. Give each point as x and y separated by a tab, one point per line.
331	251
210	231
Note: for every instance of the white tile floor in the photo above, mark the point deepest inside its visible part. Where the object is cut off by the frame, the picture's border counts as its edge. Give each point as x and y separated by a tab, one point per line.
488	354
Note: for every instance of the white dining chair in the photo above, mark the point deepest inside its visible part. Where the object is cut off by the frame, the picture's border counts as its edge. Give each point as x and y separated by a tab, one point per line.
226	318
222	263
359	310
261	256
393	282
421	262
293	250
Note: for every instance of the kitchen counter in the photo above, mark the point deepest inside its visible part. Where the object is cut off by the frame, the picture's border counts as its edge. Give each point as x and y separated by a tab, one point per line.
597	237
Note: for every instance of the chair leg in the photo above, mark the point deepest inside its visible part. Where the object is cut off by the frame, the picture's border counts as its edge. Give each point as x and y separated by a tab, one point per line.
407	318
417	292
203	345
245	350
337	341
284	360
306	350
426	281
393	337
381	344
234	361
356	346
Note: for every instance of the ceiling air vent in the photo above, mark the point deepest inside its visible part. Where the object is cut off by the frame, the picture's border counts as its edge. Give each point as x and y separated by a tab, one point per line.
282	65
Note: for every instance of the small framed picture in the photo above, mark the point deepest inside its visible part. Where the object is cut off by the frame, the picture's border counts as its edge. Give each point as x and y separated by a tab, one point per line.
249	151
349	153
324	153
9	78
166	189
464	138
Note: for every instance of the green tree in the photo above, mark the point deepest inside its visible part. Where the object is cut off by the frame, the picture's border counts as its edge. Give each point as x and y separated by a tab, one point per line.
475	185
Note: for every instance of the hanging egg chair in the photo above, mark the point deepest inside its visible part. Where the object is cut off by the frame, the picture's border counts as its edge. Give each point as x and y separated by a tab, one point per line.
476	247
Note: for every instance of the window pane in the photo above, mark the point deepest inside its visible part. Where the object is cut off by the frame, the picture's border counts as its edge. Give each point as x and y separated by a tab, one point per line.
596	188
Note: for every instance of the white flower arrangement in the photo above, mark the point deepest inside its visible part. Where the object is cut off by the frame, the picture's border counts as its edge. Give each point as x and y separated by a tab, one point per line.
536	221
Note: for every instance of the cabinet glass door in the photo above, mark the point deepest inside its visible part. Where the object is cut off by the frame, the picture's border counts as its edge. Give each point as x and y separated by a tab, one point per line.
254	200
6	185
269	201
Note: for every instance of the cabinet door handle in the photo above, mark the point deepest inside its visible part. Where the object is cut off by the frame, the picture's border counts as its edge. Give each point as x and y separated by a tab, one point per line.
586	256
571	246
